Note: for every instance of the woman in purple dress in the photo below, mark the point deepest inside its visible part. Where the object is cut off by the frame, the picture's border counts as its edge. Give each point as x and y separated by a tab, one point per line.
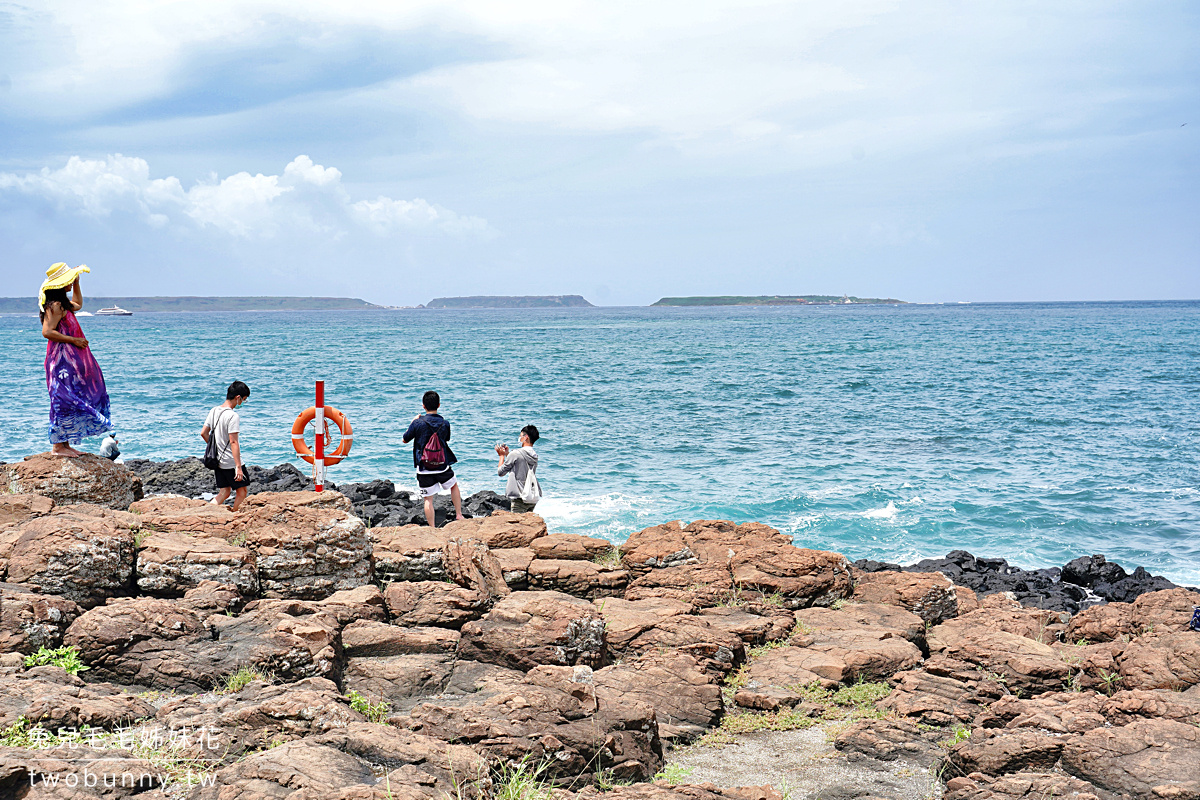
78	399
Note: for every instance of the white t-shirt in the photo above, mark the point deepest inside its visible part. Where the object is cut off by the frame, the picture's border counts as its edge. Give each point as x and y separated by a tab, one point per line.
222	421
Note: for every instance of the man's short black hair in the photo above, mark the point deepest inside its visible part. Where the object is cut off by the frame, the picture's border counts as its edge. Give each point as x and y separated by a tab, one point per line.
237	389
431	400
531	432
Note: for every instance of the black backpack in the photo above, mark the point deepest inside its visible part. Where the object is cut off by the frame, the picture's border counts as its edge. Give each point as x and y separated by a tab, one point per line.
212	453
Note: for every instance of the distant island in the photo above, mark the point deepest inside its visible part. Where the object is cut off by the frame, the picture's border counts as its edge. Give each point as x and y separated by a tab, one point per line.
775	300
544	301
16	305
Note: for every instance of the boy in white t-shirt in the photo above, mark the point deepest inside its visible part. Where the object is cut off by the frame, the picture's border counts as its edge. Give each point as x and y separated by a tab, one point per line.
223	422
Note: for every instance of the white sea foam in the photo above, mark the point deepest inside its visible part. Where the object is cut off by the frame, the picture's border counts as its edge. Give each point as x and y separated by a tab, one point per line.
887	512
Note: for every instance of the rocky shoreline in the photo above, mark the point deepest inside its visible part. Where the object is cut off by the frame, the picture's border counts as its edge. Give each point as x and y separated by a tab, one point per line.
493	658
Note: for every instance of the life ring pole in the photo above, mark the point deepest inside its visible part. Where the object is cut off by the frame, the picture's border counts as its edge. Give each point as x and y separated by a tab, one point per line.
319	455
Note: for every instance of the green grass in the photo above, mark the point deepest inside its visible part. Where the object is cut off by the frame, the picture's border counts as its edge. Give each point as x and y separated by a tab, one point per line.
674	773
65	657
232	684
960	733
374	712
610	559
521	781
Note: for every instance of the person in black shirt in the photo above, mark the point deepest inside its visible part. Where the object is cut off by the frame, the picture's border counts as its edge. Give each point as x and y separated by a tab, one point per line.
430	435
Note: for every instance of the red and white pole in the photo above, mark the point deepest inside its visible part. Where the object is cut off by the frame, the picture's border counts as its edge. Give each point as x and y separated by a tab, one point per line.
319	458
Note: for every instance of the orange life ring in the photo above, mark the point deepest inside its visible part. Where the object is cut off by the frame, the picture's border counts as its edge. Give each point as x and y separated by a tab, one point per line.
338	418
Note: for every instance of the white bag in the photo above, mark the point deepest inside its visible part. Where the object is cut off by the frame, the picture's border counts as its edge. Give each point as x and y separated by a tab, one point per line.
531	492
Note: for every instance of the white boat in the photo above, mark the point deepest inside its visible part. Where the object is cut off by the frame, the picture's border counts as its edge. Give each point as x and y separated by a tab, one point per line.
114	311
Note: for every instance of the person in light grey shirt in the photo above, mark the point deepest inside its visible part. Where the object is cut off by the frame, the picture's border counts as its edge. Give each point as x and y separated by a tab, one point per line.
517	465
109	448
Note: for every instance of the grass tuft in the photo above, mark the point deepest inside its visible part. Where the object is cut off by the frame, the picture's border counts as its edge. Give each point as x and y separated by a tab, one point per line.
521	781
374	712
65	657
232	684
610	559
674	773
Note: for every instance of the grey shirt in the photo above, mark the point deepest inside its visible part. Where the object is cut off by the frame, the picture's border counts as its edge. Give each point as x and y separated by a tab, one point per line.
516	466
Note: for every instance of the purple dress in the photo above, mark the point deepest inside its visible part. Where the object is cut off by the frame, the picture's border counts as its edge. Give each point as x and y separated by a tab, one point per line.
78	399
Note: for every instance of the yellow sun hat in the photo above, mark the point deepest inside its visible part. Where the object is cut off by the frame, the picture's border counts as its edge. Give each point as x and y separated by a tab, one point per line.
59	276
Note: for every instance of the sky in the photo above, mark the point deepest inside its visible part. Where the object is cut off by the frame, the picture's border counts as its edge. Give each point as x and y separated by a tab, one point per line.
400	151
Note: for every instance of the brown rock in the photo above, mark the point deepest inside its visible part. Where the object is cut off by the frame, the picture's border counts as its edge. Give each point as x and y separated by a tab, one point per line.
759	625
558	716
580	578
711	540
968	601
66	702
655	548
891	740
1143	759
1019	786
940	700
16	508
625	620
168	564
397	665
504	529
929	595
1161	661
453	764
514	564
85	559
643	626
856	616
569	546
170	504
1057	712
702	585
63	775
684	697
1126	707
170	644
259	716
665	791
1167	611
526	629
471	565
979	638
285	770
87	479
1003	752
408	553
29	621
865	653
423	603
307	546
801	577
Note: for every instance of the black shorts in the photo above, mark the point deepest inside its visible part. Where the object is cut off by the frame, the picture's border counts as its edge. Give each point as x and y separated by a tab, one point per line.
226	479
435	480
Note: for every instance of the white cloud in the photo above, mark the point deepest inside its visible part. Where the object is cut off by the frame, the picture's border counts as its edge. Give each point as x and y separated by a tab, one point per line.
306	197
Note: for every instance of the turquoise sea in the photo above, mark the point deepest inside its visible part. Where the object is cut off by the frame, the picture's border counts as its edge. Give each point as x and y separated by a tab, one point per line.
1035	432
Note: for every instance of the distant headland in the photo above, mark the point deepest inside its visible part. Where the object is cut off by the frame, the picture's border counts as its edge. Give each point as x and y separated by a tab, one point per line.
775	300
544	301
17	305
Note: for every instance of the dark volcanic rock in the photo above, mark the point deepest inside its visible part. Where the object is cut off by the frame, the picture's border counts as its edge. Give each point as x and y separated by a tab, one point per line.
378	503
1081	583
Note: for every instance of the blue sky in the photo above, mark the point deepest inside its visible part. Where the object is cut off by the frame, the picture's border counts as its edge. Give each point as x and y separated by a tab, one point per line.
934	151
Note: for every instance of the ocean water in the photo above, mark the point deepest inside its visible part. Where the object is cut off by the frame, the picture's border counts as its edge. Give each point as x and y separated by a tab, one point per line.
1035	432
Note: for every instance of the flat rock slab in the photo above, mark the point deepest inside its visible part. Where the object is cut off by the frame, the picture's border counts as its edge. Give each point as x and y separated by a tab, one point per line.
16	508
1019	786
929	595
806	764
1143	759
